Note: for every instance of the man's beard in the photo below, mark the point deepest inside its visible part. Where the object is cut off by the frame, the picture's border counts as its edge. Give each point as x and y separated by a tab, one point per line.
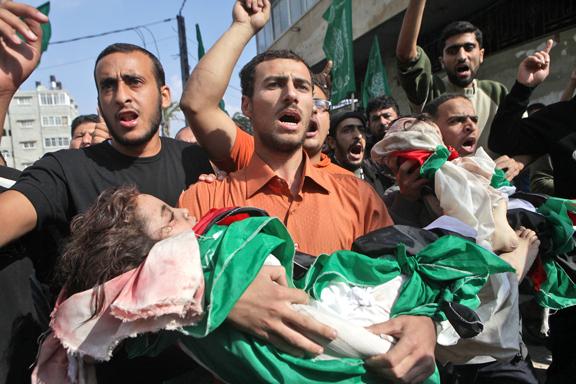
138	141
274	142
463	83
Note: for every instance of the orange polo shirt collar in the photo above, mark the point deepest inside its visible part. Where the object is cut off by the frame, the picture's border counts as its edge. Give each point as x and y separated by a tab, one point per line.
258	174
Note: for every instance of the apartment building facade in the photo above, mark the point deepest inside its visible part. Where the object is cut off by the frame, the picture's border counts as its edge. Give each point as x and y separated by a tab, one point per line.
38	122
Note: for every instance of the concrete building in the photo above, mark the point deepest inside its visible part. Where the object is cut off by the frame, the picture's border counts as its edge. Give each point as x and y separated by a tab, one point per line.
512	29
38	122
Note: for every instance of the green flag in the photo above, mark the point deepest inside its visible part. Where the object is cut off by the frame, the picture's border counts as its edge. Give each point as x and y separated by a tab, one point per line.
201	53
338	48
375	81
201	50
46	28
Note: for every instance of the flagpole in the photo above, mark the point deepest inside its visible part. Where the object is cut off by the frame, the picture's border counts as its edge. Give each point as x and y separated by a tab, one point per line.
353	102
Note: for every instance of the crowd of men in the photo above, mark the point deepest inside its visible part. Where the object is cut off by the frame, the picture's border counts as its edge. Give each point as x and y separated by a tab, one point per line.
305	165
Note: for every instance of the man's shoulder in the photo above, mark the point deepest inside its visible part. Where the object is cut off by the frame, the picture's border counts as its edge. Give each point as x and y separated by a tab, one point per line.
178	147
170	144
496	90
8	177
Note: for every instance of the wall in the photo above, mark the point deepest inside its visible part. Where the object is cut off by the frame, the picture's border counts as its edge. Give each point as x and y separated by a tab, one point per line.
305	37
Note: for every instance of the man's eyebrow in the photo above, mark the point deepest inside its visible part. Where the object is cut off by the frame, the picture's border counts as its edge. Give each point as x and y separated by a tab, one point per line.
276	77
460	45
130	76
286	78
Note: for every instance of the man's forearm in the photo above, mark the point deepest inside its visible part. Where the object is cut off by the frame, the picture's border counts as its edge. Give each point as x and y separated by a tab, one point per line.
406	47
506	124
210	78
569	90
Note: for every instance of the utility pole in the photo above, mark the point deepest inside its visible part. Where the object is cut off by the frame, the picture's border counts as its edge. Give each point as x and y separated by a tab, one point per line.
184	66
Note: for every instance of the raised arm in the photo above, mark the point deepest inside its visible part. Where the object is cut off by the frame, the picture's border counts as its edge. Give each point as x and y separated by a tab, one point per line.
406	47
507	134
18	57
214	129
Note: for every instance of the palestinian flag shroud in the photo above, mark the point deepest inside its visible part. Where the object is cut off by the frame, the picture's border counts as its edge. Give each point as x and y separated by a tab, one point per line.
233	254
553	274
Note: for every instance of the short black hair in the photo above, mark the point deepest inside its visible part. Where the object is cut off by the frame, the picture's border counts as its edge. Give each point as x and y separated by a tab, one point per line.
248	71
458	28
81	119
534	108
338	117
128	48
432	107
382	102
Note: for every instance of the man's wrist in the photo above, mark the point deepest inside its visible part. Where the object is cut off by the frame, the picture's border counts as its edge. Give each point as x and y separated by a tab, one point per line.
245	30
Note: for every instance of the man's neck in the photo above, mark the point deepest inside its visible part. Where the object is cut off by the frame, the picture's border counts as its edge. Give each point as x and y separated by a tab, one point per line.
346	165
151	148
288	166
315	158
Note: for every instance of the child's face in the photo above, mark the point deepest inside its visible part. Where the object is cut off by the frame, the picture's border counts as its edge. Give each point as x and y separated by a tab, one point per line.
162	220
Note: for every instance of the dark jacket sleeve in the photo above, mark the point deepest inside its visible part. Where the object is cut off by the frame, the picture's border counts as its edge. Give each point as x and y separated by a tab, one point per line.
512	135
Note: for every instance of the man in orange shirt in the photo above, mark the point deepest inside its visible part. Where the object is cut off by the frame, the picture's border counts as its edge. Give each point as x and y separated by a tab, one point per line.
230	148
323	211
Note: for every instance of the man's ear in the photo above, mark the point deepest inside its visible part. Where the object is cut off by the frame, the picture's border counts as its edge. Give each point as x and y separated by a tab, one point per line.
247	106
481	55
441	61
166	96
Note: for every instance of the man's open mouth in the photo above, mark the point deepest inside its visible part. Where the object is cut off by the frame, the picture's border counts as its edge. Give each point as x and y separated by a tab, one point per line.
356	152
463	70
128	118
290	118
312	129
469	145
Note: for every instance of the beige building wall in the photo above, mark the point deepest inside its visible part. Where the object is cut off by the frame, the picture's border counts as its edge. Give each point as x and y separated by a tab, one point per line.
305	37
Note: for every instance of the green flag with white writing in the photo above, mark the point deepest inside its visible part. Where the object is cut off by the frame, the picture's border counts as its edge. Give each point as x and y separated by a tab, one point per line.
338	48
375	81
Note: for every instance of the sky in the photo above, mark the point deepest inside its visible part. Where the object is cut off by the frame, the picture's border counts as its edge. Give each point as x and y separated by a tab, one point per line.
73	63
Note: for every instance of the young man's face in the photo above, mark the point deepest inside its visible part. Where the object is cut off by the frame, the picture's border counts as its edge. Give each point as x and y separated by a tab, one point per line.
461	58
318	127
349	143
457	121
379	120
281	106
130	98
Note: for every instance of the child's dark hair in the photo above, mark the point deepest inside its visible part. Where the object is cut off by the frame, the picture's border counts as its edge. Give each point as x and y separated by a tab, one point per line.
105	241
